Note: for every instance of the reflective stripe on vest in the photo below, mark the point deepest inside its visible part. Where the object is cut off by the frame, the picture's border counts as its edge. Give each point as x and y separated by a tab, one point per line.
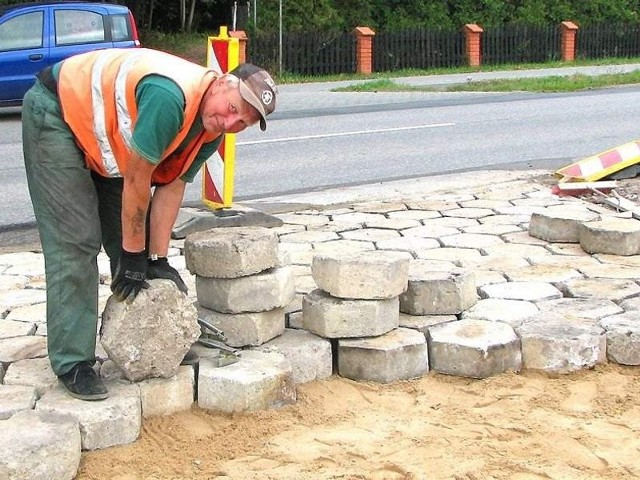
97	95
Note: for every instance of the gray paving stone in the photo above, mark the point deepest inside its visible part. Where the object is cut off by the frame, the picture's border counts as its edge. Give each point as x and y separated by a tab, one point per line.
425	265
468	212
519	210
511	312
560	345
359	217
11	299
429	231
474	348
164	396
332	317
616	236
609	271
294	320
50	450
303	219
438	293
259	381
542	273
456	255
20	348
470	240
35	372
630	304
423	323
523	238
393	223
451	222
272	288
305	283
505	219
244	329
370	234
495	262
615	290
114	421
337	227
16	398
231	252
559	226
362	275
631	261
623	338
408	244
486	203
594	308
379	207
342	246
310	356
567	249
489	229
528	291
417	215
575	262
398	355
310	237
518	250
12	328
12	282
432	204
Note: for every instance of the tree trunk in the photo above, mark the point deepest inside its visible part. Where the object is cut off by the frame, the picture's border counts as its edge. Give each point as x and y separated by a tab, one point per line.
192	11
183	13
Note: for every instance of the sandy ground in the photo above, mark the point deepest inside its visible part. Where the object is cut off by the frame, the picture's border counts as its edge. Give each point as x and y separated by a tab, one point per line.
513	426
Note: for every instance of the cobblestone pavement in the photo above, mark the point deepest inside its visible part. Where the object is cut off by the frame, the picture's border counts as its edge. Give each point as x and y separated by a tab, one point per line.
474	221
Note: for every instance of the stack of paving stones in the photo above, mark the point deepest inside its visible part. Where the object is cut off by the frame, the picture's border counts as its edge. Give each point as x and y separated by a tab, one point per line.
559	272
357	307
242	286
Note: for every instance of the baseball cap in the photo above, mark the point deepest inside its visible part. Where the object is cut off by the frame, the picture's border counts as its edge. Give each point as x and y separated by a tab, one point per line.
257	88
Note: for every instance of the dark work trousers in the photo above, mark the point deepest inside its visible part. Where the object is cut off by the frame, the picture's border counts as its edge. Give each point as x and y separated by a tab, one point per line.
77	212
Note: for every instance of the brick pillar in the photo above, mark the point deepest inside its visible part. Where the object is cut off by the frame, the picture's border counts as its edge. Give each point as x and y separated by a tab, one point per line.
568	43
242	43
472	33
364	49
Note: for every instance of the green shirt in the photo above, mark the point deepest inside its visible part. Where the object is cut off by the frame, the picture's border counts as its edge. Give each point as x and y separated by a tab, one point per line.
160	116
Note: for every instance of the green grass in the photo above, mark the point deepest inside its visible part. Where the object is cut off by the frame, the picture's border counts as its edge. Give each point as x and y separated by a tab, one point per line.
543	84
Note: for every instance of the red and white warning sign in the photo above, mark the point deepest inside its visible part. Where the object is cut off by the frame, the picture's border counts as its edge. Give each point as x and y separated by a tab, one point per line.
223	55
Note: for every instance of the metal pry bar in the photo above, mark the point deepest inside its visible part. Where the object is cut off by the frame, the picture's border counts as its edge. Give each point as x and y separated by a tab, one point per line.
213	330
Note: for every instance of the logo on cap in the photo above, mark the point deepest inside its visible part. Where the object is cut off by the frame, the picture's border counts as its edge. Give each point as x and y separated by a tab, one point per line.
266	97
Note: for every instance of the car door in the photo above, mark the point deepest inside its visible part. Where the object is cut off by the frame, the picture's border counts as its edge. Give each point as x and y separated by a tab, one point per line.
77	30
23	52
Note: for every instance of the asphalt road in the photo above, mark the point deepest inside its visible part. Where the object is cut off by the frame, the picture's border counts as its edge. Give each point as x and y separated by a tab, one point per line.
318	138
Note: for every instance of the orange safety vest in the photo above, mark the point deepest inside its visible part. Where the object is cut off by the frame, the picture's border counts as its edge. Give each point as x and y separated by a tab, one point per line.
97	93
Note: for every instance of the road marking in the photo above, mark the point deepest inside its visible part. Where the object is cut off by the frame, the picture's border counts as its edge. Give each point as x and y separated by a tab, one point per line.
345	134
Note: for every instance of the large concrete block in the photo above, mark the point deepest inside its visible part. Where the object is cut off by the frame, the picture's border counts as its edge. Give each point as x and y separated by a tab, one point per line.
474	348
259	381
149	337
332	317
559	226
623	338
114	421
397	355
439	293
39	446
164	396
310	356
368	275
231	252
273	288
617	236
245	329
558	343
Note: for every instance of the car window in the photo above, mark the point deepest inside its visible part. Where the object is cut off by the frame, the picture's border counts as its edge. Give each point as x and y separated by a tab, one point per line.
77	26
22	32
120	28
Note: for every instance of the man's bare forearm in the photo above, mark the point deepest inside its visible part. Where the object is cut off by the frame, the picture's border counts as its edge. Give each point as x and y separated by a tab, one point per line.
164	211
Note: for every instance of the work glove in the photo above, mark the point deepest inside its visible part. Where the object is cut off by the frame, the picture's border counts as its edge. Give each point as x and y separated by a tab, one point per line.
160	268
130	276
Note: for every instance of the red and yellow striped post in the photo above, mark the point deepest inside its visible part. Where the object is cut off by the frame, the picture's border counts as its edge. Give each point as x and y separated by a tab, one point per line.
223	55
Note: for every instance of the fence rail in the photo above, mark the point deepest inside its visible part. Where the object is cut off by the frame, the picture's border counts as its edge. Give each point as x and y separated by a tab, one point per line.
325	53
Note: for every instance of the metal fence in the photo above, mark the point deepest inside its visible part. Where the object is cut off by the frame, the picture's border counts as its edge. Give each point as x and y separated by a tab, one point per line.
608	40
325	53
313	53
521	44
417	49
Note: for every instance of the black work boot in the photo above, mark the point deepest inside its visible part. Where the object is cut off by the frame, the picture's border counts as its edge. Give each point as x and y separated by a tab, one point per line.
84	383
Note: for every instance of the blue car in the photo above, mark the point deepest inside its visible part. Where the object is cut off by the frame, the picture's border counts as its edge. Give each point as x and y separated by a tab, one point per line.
36	35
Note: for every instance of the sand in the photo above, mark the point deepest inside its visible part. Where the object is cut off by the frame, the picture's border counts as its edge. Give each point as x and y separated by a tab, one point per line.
584	425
